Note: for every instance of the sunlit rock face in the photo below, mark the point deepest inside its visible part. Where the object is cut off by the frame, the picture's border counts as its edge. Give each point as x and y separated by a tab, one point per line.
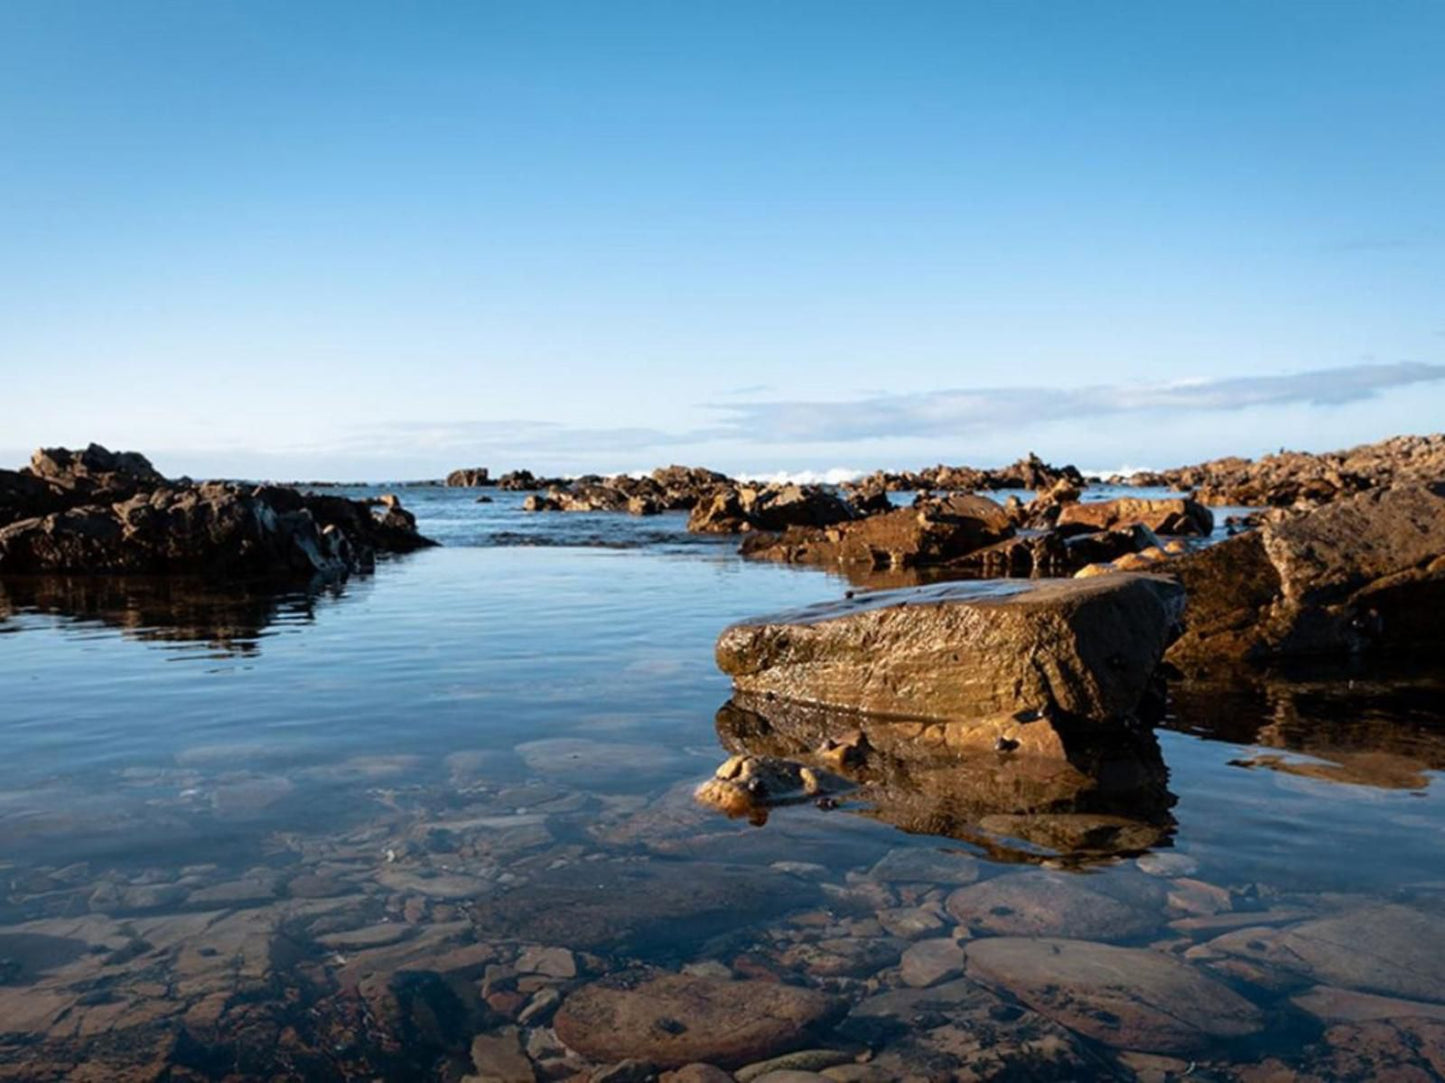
1021	788
1367	571
1086	648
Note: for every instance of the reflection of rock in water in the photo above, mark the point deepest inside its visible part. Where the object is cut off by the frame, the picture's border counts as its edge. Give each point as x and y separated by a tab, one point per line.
229	617
1080	796
1372	725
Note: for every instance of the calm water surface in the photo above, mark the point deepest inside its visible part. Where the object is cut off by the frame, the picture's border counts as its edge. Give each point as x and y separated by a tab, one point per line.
321	835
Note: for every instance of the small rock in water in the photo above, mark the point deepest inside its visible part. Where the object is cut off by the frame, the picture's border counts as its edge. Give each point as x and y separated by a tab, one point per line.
1167	864
929	962
552	962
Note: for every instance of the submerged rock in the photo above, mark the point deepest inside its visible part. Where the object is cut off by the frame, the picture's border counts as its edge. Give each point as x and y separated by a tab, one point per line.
1358	572
1129	998
676	1019
1087	648
1389	949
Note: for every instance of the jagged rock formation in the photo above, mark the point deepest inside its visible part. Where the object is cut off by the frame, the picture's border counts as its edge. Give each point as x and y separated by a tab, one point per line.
102	511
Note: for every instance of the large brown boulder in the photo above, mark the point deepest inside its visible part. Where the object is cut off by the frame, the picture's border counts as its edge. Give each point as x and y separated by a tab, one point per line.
1170	516
1085	647
931	532
1363	571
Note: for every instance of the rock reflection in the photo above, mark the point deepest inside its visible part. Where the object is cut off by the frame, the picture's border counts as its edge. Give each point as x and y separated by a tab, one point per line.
229	618
1067	796
1381	726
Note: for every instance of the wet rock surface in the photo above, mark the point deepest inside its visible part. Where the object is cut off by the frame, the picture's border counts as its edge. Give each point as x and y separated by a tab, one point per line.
1087	648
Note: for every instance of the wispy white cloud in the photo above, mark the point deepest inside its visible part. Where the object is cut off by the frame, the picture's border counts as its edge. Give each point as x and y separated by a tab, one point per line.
880	416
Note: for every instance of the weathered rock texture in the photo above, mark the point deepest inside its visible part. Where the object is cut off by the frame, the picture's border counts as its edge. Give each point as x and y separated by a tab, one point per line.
1294	477
1181	516
102	511
737	509
1087	648
671	488
1363	571
929	533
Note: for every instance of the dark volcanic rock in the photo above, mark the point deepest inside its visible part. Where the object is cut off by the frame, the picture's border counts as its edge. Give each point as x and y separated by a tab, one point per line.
1087	647
677	1019
112	513
1359	572
933	531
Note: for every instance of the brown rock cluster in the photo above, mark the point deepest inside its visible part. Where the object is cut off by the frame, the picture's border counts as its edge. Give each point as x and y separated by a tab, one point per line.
1292	478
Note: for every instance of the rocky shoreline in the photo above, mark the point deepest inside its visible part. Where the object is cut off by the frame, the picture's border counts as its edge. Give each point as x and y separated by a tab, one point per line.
101	512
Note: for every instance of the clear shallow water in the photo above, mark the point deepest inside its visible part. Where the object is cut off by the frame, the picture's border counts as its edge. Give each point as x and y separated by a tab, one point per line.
237	822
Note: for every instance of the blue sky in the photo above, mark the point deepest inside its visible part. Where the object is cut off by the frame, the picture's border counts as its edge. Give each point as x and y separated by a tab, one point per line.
376	240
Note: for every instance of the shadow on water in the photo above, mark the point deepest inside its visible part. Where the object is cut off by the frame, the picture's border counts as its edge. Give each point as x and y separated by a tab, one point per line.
229	618
1377	723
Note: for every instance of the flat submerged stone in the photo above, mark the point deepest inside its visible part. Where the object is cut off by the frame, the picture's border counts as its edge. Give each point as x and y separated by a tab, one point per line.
678	1019
1087	647
1129	998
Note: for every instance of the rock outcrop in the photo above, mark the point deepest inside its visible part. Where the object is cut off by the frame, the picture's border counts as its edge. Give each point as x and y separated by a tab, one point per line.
1292	478
1030	473
112	512
470	478
672	488
1087	648
1360	572
738	509
933	531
